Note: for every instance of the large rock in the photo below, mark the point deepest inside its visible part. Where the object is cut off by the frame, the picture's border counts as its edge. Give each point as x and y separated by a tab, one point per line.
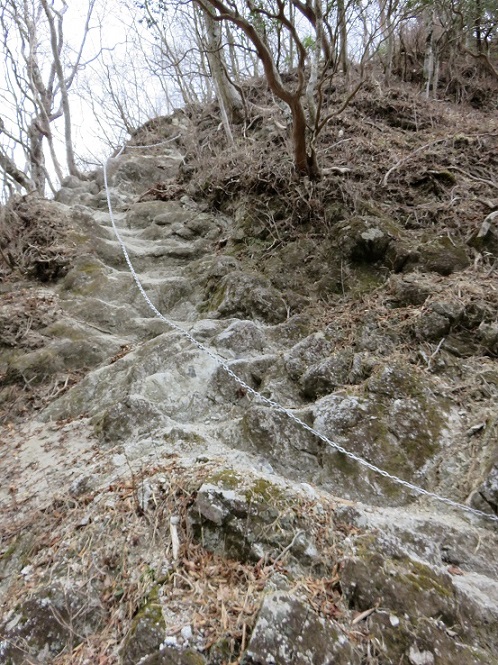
139	170
247	296
289	632
442	255
51	621
425	610
432	579
76	191
233	515
172	656
166	372
397	424
323	377
285	444
485	239
366	239
485	497
242	338
147	632
311	351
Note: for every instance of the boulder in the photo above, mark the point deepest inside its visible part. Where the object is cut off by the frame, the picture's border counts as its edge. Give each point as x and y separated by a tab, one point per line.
147	633
408	290
310	351
366	239
233	515
425	611
239	294
289	632
242	338
431	326
485	239
442	255
398	425
488	334
485	497
172	656
51	621
323	377
139	169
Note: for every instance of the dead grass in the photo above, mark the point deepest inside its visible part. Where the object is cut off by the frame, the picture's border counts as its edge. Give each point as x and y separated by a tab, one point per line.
33	244
118	553
440	184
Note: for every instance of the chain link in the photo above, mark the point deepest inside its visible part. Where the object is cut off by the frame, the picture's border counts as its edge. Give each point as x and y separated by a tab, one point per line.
149	145
265	400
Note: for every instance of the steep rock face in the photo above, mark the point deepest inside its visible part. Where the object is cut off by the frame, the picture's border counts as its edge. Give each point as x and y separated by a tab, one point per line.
337	580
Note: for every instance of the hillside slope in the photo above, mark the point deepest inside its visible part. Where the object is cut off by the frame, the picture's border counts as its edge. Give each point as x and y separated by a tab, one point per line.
153	509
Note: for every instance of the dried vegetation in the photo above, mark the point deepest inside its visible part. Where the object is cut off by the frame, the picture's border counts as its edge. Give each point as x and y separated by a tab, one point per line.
34	251
116	547
33	240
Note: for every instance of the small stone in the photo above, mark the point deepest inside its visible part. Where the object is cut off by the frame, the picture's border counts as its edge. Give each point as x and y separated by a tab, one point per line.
365	239
431	326
242	295
266	467
309	351
144	494
119	460
80	485
442	255
323	377
186	633
488	333
311	491
84	521
417	657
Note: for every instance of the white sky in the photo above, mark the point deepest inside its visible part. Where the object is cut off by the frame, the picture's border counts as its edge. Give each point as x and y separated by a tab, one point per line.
114	31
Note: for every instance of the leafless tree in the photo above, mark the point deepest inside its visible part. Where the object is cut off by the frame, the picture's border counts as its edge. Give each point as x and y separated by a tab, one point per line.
40	69
317	58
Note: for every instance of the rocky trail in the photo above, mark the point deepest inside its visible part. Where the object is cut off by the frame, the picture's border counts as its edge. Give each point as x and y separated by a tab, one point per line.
155	512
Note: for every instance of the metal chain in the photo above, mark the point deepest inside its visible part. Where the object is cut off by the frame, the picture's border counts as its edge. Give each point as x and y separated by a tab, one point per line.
149	145
265	400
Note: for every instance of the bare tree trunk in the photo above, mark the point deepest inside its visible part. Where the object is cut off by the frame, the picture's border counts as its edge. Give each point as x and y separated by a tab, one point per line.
11	170
228	96
315	60
429	58
56	46
305	161
36	84
478	26
233	55
385	7
292	18
36	156
343	36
